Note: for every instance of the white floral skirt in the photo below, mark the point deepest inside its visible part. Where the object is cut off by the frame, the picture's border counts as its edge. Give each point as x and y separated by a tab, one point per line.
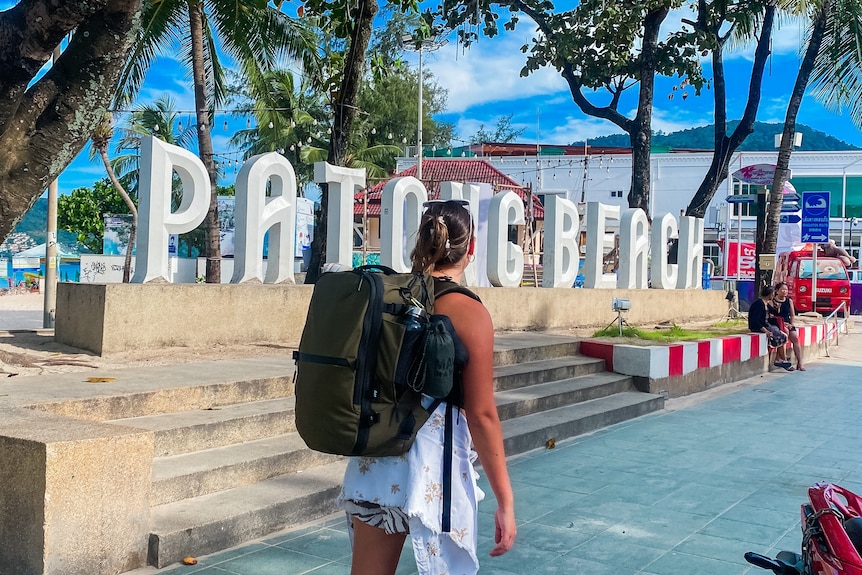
413	483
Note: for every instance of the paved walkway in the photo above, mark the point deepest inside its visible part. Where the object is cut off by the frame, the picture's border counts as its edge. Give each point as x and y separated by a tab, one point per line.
684	491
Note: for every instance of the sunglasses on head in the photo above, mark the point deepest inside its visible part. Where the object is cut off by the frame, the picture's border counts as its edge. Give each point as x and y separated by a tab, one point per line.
462	203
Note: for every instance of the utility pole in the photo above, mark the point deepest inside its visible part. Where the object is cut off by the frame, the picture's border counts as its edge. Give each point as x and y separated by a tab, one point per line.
409	42
419	129
49	289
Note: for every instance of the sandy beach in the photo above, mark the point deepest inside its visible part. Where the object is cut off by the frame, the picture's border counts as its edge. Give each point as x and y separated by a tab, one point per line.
22	302
32	351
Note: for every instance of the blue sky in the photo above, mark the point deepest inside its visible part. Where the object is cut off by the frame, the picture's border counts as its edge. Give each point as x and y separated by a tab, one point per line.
484	83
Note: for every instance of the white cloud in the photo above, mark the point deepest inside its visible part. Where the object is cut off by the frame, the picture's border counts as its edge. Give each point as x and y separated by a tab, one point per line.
788	36
489	72
577	129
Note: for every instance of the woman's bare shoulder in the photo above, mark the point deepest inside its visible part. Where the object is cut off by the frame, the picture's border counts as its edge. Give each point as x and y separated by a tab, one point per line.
464	311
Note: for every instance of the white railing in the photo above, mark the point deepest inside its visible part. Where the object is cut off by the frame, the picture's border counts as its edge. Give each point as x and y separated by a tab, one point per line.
838	325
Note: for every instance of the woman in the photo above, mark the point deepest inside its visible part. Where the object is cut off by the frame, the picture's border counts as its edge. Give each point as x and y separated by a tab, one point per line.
386	498
758	322
786	311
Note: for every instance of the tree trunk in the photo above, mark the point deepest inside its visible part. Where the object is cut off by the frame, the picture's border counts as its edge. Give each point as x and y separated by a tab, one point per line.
44	124
205	143
640	134
132	209
767	242
344	115
724	146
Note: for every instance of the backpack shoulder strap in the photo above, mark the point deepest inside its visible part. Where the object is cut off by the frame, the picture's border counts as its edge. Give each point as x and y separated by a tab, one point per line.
445	286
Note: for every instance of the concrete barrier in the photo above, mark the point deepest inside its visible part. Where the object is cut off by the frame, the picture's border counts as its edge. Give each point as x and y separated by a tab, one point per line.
689	367
74	495
111	318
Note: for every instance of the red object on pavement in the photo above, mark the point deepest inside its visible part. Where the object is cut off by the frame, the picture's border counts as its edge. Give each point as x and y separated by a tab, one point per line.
827	546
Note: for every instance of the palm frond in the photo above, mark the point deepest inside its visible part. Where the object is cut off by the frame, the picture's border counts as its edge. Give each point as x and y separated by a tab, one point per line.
163	24
836	80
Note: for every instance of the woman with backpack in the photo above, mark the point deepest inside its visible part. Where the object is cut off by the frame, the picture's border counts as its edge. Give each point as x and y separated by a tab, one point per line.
386	498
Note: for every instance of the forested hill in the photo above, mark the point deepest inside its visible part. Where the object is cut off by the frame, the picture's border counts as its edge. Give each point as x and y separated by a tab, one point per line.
763	139
31	231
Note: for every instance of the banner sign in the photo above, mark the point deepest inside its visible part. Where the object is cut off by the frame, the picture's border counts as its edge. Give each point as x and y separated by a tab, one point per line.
745	264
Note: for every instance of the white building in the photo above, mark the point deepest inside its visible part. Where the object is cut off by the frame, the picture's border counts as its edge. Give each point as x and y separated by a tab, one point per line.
675	177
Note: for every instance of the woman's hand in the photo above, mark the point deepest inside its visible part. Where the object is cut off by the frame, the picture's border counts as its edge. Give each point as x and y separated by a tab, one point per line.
504	531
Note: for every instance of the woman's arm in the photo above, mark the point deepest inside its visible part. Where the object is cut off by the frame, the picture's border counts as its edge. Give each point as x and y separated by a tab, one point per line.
473	325
792	311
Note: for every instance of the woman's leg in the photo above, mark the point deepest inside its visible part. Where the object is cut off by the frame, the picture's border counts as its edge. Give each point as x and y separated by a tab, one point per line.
797	348
375	552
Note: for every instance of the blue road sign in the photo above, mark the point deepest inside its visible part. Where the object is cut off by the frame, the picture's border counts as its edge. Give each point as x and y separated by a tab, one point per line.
815	216
741	199
791	197
790	207
790	219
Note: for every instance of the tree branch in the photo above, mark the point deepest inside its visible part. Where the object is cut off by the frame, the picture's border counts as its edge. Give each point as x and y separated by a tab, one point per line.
54	118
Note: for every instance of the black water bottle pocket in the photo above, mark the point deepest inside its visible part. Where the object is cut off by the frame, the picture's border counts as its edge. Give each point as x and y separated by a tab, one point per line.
410	369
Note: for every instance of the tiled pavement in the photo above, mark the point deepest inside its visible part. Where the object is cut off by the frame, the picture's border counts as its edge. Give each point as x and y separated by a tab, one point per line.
684	491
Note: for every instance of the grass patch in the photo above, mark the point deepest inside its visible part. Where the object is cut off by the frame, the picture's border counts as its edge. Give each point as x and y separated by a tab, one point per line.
676	333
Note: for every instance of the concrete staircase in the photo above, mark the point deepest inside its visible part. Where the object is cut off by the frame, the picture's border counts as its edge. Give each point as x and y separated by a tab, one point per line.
226	474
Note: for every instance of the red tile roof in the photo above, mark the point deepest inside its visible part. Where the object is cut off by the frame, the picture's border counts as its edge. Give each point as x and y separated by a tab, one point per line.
435	171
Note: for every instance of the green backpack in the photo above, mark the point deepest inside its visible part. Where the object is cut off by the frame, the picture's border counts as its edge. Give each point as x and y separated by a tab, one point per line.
357	388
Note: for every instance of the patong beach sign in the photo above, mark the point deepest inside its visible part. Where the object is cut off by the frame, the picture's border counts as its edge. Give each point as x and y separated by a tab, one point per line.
643	248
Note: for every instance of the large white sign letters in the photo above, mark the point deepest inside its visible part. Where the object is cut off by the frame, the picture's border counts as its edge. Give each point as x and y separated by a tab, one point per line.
641	247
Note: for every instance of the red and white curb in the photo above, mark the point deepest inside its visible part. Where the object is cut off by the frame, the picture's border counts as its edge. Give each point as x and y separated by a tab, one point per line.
660	361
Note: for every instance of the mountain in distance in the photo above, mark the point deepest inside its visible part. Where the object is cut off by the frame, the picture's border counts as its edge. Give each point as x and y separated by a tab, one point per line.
761	140
31	231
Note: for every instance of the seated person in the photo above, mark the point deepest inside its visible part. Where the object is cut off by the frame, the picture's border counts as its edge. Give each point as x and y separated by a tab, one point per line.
758	322
784	309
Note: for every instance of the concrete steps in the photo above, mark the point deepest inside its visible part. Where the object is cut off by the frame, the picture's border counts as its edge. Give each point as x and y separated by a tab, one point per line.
228	470
217	521
532	431
217	426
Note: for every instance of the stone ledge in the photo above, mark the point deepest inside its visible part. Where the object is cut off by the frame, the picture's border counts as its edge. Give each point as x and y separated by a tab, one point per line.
689	367
74	495
111	318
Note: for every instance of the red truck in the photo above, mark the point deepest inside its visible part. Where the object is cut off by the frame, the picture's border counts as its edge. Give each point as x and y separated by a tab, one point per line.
833	284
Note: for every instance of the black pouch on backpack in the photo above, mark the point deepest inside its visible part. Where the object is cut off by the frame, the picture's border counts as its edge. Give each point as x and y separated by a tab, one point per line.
439	357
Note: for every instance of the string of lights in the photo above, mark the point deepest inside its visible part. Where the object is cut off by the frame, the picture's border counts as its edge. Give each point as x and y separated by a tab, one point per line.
235	158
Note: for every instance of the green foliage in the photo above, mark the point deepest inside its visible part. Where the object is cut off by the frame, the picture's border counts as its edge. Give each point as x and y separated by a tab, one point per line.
503	132
675	333
287	116
254	34
597	39
294	118
392	107
82	212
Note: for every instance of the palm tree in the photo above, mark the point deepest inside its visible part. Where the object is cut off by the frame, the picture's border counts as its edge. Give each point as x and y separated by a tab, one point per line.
358	155
100	139
286	116
832	60
158	119
254	34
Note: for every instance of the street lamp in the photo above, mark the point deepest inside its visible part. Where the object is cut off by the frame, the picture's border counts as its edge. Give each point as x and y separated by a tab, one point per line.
853	222
408	42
